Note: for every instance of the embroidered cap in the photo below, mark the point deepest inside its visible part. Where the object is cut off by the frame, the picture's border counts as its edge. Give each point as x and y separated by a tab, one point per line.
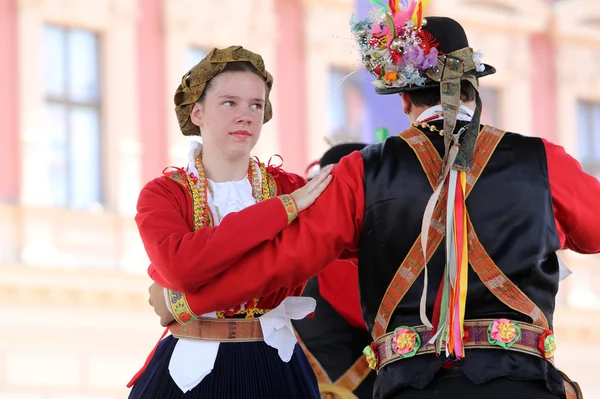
194	82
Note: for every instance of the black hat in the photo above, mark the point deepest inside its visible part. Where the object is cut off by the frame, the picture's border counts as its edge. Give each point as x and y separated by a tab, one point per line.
336	153
407	52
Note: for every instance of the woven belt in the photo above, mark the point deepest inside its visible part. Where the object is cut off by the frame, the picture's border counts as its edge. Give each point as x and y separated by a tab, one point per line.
223	330
528	342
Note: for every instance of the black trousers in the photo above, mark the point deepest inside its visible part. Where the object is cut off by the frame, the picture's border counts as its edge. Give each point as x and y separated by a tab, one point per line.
460	387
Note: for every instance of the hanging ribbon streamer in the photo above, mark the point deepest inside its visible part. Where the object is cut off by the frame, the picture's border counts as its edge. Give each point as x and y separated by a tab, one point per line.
450	303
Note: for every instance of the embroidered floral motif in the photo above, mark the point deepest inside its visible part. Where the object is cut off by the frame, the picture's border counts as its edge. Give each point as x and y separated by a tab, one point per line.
547	344
372	356
176	297
180	308
184	317
248	310
406	341
503	333
290	207
272	185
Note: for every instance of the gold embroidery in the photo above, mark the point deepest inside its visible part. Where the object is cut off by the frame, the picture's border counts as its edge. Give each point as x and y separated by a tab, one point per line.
180	308
290	207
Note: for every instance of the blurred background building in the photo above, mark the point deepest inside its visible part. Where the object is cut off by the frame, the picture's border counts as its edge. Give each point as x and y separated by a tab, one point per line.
86	118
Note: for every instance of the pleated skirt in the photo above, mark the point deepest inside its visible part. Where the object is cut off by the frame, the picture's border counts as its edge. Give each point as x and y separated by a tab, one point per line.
248	370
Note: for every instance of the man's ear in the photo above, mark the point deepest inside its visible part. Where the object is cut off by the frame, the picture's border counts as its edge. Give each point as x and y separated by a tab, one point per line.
406	103
197	114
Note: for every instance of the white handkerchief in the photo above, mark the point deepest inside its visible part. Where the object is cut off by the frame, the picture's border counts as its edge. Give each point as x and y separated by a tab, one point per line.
277	326
191	361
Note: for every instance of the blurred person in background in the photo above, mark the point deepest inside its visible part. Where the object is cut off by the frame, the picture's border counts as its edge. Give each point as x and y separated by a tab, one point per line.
335	337
196	222
456	227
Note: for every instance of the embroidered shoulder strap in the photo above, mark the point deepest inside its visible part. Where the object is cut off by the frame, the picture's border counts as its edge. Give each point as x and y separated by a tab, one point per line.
355	375
413	263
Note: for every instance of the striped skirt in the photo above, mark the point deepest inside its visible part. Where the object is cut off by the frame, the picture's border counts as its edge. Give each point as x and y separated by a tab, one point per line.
248	370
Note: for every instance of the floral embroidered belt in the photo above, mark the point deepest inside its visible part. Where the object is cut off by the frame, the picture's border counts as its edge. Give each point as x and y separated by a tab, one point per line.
222	330
505	334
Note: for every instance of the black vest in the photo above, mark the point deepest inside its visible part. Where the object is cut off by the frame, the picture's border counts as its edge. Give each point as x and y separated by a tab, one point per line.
511	210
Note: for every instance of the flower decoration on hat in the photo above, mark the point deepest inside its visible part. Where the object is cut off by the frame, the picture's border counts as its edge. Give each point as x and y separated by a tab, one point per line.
393	45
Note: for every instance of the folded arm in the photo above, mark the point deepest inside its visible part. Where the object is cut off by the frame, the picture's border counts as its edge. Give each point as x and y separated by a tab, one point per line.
187	259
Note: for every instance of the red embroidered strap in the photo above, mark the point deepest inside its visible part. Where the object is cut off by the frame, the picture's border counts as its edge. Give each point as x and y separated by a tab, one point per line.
355	375
322	376
426	153
497	282
572	389
413	265
410	268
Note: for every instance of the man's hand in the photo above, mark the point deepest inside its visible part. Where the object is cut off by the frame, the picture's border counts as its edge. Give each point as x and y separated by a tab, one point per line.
157	301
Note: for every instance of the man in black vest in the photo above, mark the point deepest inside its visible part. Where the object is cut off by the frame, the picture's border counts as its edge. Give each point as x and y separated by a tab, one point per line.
471	315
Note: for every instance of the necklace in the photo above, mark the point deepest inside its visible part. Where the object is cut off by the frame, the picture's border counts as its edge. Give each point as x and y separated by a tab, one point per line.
426	125
206	188
262	189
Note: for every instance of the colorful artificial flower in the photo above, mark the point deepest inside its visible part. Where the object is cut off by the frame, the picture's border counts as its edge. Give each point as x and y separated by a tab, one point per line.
547	344
393	45
372	356
503	333
391	76
406	341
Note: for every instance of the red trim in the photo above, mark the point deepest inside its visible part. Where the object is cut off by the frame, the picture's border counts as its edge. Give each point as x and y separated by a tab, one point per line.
137	375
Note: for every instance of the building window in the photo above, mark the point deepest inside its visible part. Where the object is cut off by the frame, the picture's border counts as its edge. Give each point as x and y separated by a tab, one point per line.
193	56
589	136
64	152
348	110
490	112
